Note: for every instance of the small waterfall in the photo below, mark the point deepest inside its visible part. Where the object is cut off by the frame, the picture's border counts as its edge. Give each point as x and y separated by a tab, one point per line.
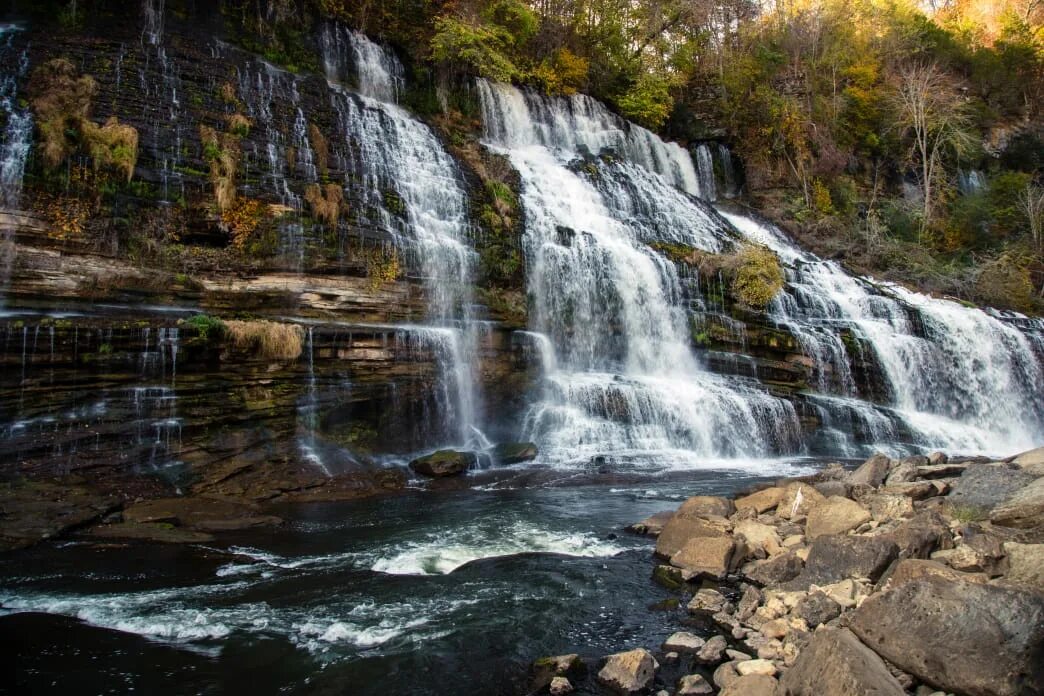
17	135
957	378
161	99
705	172
627	383
308	413
970	181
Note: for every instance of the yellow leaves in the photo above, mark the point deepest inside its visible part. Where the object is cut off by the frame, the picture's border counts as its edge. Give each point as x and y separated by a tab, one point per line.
563	73
382	266
242	219
759	276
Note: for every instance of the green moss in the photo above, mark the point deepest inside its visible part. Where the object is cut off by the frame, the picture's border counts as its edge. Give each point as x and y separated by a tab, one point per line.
209	328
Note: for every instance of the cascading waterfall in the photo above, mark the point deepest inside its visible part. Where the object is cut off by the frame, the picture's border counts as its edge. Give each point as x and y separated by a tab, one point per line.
414	192
18	122
956	377
705	171
627	383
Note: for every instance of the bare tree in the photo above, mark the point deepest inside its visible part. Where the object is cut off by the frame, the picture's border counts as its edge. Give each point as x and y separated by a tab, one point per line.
931	112
1031	203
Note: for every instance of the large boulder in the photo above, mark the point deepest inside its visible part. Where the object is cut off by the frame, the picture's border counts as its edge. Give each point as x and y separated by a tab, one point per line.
835	558
706	506
983	487
887	507
751	685
905	470
653	524
705	556
910	569
816	608
1031	462
629	672
759	536
797	500
835	663
774	571
872	472
1025	509
1025	565
547	669
920	535
444	463
682	527
835	515
514	452
761	501
963	637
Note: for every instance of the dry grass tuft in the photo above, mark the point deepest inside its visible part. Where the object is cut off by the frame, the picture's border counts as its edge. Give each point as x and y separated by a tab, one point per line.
113	145
221	151
320	148
267	339
325	202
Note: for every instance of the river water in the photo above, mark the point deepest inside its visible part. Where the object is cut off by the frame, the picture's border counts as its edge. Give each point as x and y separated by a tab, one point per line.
422	593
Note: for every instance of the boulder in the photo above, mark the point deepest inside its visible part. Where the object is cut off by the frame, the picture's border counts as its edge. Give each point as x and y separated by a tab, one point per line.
712	651
751	685
629	672
725	674
158	532
682	527
547	669
835	515
444	463
693	685
797	500
922	534
964	637
707	506
705	556
669	577
872	472
748	667
683	642
910	569
200	514
938	471
1025	509
1025	565
1032	462
917	490
514	452
885	507
847	593
707	600
936	458
816	608
33	511
748	603
760	536
560	686
831	488
985	486
761	501
774	571
835	663
835	558
903	472
653	524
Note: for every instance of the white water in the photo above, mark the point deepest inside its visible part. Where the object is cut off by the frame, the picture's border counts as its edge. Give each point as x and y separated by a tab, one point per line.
627	383
957	378
16	138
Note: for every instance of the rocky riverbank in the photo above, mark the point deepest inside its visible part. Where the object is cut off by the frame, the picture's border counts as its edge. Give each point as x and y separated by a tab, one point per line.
922	575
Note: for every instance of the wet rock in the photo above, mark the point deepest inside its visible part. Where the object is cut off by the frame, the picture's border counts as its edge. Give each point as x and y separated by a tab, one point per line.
201	514
712	651
547	669
629	672
444	463
835	516
560	686
33	511
693	685
761	501
1025	565
706	506
835	558
705	556
936	458
514	452
797	500
835	663
774	571
816	608
969	638
684	642
669	577
872	472
985	486
160	532
1025	509
683	527
652	525
751	685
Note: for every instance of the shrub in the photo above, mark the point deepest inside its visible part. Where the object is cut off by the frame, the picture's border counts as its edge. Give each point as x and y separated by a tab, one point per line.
208	327
266	339
325	202
238	125
1005	281
221	151
61	101
759	276
112	146
382	266
319	148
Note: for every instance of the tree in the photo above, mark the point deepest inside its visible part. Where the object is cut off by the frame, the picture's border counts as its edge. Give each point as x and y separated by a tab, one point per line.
935	118
1031	203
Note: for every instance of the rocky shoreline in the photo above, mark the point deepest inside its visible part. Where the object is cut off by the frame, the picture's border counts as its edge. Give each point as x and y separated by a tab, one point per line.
921	575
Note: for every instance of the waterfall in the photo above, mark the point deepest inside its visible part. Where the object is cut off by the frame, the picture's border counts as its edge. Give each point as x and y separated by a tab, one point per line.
17	134
413	191
957	378
705	171
626	383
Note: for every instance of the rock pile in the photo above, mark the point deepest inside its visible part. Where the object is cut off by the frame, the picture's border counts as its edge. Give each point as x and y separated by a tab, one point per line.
920	575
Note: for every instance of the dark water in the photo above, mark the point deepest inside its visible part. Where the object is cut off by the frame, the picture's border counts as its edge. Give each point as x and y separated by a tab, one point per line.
426	593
